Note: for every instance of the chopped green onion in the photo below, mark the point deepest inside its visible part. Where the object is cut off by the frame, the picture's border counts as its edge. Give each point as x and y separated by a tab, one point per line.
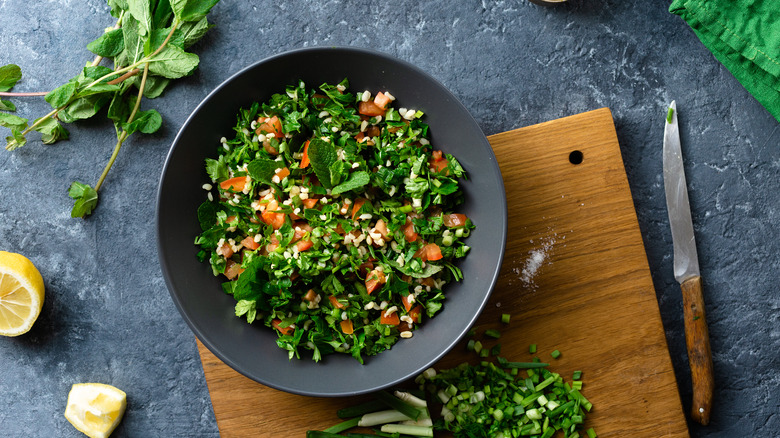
555	354
341	427
591	433
361	409
496	350
398	404
320	434
493	333
577	375
532	348
505	318
424	431
382	417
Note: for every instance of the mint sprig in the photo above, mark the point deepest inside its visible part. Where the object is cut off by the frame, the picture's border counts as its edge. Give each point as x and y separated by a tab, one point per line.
148	46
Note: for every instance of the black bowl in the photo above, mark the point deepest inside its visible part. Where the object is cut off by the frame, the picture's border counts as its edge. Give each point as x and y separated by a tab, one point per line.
251	349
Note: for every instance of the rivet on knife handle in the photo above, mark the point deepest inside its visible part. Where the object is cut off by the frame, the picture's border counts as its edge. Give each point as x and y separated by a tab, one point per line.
697	339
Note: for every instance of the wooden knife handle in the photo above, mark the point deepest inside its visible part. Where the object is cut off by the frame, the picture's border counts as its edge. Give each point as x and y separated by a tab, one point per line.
697	338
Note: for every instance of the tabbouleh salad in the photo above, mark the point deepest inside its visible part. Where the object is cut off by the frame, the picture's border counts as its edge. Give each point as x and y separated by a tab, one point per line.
334	220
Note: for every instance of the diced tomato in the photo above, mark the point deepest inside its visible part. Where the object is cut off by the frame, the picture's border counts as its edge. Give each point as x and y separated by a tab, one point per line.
405	301
437	156
366	267
409	233
310	295
454	220
225	250
301	228
392	319
356	206
416	313
336	303
309	202
305	157
270	247
303	245
441	166
233	269
430	251
340	230
374	279
283	330
270	125
370	109
236	184
381	100
428	281
282	173
360	137
271	216
250	244
347	327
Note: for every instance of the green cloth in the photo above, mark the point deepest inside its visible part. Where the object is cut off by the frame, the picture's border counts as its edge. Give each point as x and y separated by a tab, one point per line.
744	35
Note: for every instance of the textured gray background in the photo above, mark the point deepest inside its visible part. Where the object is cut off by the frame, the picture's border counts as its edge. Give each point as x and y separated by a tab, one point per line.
109	318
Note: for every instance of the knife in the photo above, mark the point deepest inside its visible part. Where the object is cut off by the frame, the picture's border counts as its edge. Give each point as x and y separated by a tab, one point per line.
686	271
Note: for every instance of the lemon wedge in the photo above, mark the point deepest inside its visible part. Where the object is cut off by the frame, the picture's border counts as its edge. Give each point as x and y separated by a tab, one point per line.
95	409
21	294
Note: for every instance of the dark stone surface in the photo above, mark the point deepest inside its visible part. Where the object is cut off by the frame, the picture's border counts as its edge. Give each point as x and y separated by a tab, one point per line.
108	317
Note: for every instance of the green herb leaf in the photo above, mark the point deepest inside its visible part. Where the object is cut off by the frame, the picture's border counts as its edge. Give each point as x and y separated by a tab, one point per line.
117	6
262	169
12	122
61	95
356	180
162	14
173	62
15	140
141	10
147	122
155	85
207	215
9	76
218	170
193	31
192	10
86	199
84	107
109	44
322	155
51	131
248	308
97	89
134	45
7	105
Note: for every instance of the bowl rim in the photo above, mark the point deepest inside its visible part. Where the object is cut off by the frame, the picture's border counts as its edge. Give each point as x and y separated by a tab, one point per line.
166	269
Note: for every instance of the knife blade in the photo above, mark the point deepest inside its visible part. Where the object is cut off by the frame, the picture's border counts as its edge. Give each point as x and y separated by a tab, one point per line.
686	270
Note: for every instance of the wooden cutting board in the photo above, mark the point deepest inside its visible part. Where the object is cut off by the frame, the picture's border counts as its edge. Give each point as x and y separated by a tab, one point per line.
575	278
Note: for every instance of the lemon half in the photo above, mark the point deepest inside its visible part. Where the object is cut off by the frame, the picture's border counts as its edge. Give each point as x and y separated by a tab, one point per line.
21	294
95	409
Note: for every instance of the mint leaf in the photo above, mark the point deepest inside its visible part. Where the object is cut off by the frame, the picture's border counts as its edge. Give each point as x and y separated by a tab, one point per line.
263	169
141	10
193	31
207	215
250	283
117	6
173	62
7	105
155	85
109	44
15	140
191	10
322	155
217	169
427	271
162	13
51	131
9	76
86	199
61	95
83	108
147	122
12	122
356	180
95	72
134	46
97	89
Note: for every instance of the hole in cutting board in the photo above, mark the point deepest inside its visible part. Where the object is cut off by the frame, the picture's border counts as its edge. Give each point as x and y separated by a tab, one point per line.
575	157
